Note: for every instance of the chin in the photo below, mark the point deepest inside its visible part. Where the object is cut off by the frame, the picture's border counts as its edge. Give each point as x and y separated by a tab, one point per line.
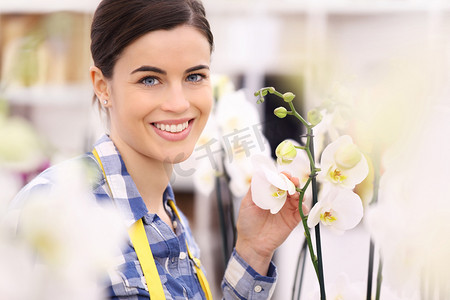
177	157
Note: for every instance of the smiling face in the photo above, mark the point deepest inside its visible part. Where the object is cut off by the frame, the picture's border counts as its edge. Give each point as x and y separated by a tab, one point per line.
160	95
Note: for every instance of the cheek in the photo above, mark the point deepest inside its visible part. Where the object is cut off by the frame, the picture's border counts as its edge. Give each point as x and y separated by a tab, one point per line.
132	104
208	107
205	107
206	104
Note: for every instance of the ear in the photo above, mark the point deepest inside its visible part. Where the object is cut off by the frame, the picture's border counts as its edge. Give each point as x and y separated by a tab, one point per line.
100	84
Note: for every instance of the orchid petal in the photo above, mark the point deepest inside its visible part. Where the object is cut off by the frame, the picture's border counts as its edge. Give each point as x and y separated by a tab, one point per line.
348	210
265	165
344	177
260	161
339	208
276	179
269	187
261	194
314	215
329	151
290	187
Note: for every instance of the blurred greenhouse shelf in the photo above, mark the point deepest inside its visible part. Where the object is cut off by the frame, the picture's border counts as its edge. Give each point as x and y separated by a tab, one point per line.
57	95
248	6
44	6
290	7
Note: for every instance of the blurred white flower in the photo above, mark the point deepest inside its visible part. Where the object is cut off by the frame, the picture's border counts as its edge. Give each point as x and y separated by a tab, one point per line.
240	172
269	187
234	112
221	85
206	161
338	208
343	164
204	177
20	147
64	238
342	289
9	186
240	169
232	135
17	272
410	221
210	134
239	126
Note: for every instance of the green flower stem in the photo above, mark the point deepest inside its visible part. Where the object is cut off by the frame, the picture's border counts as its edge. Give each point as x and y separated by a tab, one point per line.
305	226
300	147
309	148
379	279
273	91
317	227
376	184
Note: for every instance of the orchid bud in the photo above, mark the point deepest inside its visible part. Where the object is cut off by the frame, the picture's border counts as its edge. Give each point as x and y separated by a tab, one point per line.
280	112
288	97
285	152
347	156
271	90
314	117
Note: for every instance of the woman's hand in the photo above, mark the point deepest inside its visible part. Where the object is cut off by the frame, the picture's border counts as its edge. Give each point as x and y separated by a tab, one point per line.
260	232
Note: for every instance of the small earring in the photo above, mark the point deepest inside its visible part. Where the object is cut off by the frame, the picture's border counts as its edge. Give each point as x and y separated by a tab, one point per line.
105	102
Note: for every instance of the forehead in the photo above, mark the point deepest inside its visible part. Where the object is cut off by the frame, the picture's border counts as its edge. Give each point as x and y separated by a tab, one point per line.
182	45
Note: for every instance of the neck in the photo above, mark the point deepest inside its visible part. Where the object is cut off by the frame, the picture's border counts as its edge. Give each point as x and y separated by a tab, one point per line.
150	176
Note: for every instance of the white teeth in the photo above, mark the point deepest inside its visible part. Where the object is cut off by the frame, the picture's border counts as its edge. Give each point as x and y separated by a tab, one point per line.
172	128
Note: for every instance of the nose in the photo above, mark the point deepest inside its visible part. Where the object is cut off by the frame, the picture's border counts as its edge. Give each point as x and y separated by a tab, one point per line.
176	100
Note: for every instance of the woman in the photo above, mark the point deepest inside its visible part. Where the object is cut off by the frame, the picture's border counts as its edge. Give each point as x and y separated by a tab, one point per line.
151	76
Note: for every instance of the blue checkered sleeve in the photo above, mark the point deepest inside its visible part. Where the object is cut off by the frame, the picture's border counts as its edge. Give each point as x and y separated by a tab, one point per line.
242	282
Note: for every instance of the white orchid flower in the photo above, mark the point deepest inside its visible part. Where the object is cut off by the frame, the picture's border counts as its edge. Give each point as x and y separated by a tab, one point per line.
343	164
269	187
340	209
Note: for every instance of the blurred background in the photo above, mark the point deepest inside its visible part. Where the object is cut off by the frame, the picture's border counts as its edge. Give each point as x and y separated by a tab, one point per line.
312	48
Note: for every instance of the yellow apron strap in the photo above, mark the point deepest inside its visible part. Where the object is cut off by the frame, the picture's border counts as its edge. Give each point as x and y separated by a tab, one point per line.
201	276
145	257
144	253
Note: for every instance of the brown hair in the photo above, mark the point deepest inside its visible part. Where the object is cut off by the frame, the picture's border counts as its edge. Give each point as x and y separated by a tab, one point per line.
117	23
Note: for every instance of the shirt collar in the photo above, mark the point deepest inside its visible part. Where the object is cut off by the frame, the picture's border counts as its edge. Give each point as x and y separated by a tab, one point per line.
124	192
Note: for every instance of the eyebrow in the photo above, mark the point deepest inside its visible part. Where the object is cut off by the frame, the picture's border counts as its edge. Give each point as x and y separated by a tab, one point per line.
149	69
196	68
160	71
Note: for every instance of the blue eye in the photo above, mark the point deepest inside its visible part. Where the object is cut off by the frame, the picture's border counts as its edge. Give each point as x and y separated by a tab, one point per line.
194	77
149	81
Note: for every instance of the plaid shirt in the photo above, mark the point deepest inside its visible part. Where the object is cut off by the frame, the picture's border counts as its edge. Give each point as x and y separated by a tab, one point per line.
177	274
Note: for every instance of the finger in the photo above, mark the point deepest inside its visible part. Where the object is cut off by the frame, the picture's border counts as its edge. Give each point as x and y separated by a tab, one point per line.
247	199
305	209
294	180
295	196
